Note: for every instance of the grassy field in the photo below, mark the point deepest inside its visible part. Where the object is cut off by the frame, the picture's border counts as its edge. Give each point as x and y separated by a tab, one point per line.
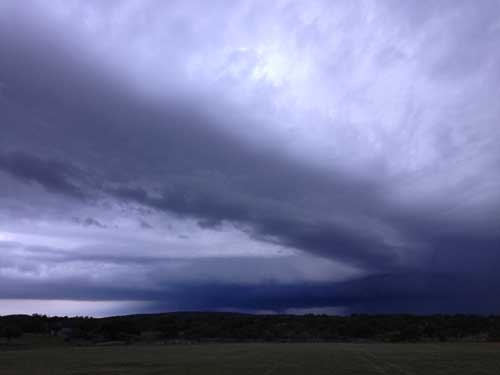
267	359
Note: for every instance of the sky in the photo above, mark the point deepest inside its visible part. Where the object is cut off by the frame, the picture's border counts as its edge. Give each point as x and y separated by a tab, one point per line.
294	157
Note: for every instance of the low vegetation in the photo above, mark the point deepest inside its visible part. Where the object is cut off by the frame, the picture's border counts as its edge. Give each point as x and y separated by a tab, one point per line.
257	358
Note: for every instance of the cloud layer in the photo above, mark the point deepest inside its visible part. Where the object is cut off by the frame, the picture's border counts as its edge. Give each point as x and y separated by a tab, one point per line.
247	156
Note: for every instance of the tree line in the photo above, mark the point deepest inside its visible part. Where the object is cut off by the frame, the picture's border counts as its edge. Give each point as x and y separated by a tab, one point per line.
198	326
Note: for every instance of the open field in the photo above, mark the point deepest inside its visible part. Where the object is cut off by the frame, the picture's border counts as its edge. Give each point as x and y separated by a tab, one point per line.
310	359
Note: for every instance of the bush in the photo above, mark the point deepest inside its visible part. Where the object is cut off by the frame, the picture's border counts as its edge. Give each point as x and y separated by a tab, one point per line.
11	332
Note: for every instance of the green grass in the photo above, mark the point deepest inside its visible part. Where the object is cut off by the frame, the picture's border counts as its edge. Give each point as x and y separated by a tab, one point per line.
266	359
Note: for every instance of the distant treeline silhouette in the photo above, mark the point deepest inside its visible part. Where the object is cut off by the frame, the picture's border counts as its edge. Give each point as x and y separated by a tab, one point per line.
198	326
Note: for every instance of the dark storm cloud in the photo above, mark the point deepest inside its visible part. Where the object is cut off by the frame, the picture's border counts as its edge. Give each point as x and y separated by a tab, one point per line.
119	139
88	222
424	240
406	292
411	292
267	220
53	175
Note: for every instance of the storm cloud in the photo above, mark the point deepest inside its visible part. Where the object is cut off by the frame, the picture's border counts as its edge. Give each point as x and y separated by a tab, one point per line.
252	157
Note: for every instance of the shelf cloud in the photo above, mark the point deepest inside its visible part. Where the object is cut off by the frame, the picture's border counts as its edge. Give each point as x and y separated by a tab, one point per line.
241	155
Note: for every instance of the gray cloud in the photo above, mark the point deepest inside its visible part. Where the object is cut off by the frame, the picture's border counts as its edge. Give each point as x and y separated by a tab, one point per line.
89	221
363	135
53	175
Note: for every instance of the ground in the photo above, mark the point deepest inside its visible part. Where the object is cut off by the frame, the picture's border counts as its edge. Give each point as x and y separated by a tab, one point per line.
266	359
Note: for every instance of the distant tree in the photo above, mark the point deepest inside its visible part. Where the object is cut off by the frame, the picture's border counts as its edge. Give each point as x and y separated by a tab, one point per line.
410	333
230	326
494	333
11	332
54	328
169	328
